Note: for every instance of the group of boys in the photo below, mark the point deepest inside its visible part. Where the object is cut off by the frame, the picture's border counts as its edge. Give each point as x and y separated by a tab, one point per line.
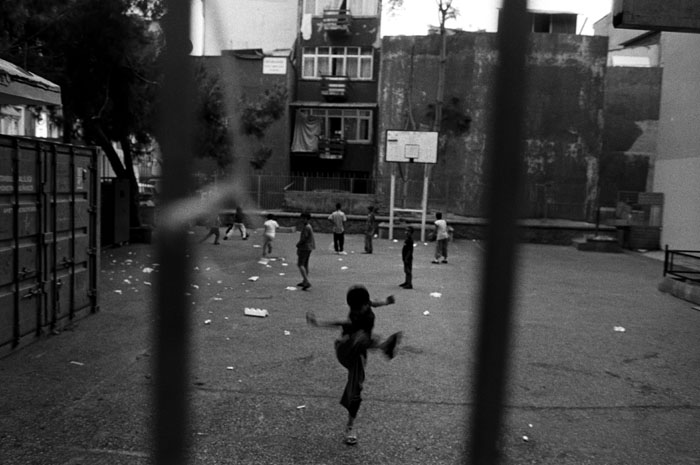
357	330
338	219
306	242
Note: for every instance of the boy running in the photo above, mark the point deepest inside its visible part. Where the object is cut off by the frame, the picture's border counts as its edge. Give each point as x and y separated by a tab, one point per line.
238	223
351	348
269	235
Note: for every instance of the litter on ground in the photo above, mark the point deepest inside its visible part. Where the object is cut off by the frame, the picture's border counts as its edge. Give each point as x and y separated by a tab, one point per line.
435	294
259	312
253	278
619	329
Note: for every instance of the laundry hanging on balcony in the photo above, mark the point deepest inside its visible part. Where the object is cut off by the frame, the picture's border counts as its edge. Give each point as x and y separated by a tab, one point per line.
306	131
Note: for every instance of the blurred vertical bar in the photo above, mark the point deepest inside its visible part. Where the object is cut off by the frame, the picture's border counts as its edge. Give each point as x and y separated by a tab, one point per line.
504	176
171	322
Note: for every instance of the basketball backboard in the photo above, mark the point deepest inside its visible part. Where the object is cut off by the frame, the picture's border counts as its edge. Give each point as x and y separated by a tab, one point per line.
411	146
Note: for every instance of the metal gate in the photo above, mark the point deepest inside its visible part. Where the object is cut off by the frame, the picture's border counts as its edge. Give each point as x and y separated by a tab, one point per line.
49	248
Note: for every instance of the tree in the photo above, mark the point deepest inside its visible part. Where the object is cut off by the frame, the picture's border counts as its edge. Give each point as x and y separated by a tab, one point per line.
445	12
103	54
258	115
212	135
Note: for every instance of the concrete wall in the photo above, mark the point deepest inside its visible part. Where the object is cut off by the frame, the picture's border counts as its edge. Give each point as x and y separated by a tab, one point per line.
678	163
564	113
632	100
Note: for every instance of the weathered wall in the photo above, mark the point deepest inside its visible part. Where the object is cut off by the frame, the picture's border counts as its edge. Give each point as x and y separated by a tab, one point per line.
243	80
562	143
631	114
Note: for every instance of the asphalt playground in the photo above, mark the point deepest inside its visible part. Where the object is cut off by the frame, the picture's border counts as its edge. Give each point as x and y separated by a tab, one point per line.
605	369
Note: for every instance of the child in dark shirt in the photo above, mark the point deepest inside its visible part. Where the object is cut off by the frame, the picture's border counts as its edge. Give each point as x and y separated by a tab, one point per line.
351	348
407	257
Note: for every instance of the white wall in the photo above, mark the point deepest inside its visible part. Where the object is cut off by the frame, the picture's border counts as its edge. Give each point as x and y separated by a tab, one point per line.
677	170
238	24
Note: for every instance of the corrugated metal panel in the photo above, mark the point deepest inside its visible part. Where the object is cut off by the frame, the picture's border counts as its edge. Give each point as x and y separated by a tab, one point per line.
48	236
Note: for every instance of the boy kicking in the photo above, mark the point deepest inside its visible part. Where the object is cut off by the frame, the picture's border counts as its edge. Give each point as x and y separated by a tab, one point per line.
351	348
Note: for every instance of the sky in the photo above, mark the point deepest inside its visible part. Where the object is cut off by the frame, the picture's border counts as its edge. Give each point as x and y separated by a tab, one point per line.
416	15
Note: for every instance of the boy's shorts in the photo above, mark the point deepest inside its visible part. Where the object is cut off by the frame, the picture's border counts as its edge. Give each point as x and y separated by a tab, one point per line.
351	346
303	258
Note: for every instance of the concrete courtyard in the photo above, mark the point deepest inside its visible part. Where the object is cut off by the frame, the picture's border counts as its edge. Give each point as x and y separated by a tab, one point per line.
265	390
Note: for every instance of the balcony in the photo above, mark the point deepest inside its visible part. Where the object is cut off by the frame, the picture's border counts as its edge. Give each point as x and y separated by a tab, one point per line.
332	148
337	21
335	88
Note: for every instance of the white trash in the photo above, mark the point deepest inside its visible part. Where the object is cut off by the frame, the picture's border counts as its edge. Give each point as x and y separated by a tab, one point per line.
259	312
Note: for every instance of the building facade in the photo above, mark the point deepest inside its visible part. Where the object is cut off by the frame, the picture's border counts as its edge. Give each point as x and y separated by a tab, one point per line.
674	58
334	108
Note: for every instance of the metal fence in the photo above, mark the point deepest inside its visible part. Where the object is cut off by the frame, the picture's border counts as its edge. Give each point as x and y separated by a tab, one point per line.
541	200
268	191
682	264
505	176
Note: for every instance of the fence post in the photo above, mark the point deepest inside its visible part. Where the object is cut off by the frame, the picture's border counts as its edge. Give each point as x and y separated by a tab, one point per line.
259	189
304	184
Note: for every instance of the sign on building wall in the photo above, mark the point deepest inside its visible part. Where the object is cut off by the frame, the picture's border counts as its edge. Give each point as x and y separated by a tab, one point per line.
275	65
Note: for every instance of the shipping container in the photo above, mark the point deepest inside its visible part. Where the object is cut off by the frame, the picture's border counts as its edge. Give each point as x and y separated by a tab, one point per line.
49	237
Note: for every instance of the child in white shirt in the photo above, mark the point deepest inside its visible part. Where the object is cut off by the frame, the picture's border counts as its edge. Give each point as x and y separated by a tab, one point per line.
269	235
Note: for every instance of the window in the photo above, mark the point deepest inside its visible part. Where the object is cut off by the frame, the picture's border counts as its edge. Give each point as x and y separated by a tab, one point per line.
355	126
353	62
356	7
563	23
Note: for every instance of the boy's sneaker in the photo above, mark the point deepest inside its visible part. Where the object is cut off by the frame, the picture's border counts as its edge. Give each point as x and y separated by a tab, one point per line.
435	261
407	286
444	261
350	436
389	346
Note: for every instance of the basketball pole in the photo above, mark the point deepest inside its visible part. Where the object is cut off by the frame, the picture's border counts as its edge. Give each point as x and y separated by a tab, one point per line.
412	143
424	203
391	201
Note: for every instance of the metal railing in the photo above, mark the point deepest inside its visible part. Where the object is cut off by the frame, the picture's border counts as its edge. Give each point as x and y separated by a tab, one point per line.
682	264
549	200
172	333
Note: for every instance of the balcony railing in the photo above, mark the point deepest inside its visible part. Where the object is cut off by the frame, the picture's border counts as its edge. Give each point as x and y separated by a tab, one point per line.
335	88
337	21
332	148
